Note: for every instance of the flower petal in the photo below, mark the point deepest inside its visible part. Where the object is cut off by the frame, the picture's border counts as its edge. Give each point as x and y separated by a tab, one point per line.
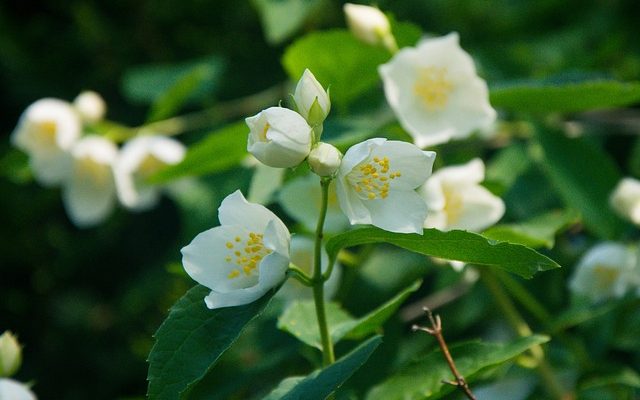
236	210
401	212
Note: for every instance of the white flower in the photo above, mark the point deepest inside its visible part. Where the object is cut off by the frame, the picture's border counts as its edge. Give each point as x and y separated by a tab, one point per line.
368	24
301	200
625	199
90	105
243	258
606	271
456	200
10	354
89	192
302	255
279	137
324	159
265	182
14	390
435	92
139	159
312	101
46	131
377	181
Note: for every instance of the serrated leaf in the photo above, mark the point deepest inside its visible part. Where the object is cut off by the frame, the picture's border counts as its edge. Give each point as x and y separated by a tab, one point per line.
191	339
423	378
539	231
584	175
453	245
282	18
219	151
321	383
565	97
337	59
299	319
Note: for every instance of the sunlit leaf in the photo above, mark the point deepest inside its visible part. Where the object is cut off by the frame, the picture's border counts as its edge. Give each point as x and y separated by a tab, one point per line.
282	18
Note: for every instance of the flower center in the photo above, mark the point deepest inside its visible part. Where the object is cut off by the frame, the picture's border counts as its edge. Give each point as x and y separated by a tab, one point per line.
606	276
245	255
453	205
433	87
263	134
371	179
47	132
149	166
90	171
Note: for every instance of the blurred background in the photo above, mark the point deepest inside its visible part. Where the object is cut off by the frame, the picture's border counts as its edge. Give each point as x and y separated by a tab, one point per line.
86	302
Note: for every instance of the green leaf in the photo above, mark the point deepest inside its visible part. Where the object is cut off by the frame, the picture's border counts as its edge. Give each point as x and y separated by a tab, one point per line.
321	383
282	18
191	339
423	378
172	100
624	377
299	319
145	84
337	60
565	97
539	231
507	166
453	245
584	175
220	150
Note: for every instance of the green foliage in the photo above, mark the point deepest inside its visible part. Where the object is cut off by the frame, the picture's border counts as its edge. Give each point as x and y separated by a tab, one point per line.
354	74
321	383
565	97
423	378
539	231
584	176
191	340
453	245
299	319
282	18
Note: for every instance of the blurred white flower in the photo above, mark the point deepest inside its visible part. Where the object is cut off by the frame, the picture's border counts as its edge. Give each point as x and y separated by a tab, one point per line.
139	159
10	354
46	131
435	92
14	390
91	106
243	258
377	181
265	182
302	255
456	200
369	25
324	159
301	200
625	199
89	192
279	137
312	101
607	270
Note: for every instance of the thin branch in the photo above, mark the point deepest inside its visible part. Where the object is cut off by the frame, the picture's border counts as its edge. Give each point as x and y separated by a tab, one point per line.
436	331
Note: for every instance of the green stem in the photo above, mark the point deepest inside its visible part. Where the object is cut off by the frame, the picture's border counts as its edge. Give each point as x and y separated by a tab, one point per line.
521	327
295	272
318	280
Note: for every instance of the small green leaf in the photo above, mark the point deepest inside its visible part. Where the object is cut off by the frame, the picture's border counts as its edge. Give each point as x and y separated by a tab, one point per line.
453	245
282	18
321	383
299	319
338	60
423	378
220	150
565	97
191	339
624	377
539	231
507	166
584	175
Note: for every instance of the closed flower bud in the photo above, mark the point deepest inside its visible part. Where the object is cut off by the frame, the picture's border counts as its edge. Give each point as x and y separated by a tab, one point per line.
324	159
279	137
625	199
91	106
311	99
10	354
367	23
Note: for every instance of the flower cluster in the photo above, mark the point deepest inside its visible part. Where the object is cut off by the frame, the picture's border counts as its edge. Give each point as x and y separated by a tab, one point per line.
65	150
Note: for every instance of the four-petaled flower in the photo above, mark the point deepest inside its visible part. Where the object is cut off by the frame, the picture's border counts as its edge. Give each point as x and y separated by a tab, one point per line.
377	181
435	92
243	258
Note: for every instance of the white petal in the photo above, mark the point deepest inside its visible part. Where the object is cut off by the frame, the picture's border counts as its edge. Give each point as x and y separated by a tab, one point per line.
401	212
14	390
414	164
264	183
480	209
235	210
625	199
352	206
358	153
469	173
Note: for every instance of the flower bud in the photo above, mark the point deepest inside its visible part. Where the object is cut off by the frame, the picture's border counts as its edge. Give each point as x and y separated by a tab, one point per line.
325	159
10	354
279	137
90	105
311	99
367	23
625	199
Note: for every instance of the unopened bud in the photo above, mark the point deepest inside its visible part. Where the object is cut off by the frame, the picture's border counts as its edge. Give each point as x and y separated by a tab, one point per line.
368	24
91	106
312	101
10	354
325	159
